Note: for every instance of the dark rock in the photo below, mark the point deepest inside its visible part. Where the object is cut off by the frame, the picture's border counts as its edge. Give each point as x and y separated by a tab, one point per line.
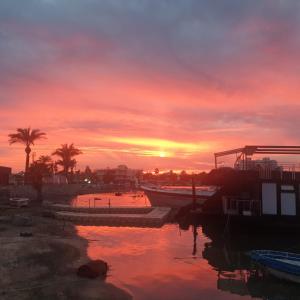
26	234
93	269
48	214
19	220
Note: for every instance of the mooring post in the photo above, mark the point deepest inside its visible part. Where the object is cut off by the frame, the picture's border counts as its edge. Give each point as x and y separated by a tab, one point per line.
194	192
195	233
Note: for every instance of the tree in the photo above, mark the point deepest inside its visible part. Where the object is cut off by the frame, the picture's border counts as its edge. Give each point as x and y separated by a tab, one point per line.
36	172
88	172
184	177
148	176
108	176
27	137
46	159
172	176
66	154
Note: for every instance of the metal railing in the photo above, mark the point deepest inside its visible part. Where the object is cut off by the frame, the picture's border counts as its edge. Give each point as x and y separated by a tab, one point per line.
237	206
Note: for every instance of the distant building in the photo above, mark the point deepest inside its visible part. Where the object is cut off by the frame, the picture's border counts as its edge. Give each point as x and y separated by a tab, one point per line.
5	173
55	179
17	179
257	164
121	175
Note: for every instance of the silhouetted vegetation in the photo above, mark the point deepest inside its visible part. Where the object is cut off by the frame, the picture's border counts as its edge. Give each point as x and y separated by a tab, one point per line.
27	137
67	153
232	181
109	176
170	177
37	171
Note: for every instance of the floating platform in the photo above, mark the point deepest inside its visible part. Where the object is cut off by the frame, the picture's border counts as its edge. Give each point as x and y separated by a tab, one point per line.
112	216
100	210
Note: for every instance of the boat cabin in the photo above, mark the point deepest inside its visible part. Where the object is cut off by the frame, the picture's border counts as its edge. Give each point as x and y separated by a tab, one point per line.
264	186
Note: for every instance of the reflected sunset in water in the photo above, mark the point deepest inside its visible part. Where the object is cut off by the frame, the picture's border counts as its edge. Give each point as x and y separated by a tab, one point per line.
150	262
171	263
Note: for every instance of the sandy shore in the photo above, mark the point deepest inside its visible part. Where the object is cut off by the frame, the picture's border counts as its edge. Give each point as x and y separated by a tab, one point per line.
44	265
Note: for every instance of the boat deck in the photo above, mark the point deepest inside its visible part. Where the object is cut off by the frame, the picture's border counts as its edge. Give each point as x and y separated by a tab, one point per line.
289	261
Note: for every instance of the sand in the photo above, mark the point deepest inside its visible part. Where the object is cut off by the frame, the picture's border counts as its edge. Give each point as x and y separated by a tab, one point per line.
44	266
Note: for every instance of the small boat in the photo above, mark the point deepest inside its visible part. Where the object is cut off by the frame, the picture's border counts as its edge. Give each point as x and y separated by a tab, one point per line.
173	196
283	265
18	201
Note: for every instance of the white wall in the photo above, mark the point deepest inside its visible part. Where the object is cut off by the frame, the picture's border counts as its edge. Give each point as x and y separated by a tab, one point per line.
288	204
269	199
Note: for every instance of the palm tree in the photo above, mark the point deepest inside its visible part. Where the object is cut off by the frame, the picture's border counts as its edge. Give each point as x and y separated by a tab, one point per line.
66	153
27	137
37	171
47	160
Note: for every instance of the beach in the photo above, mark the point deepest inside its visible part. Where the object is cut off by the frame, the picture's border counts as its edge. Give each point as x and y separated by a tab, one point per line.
44	265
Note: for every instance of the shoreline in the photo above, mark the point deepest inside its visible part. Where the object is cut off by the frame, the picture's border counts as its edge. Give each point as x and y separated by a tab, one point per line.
59	192
44	265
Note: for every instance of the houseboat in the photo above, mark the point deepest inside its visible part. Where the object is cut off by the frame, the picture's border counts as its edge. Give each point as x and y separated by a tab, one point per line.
177	197
259	194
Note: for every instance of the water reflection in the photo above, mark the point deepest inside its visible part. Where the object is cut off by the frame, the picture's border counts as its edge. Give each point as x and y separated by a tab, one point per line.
111	200
188	262
237	274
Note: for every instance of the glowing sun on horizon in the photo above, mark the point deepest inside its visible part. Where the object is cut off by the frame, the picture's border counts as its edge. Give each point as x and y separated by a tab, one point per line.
162	154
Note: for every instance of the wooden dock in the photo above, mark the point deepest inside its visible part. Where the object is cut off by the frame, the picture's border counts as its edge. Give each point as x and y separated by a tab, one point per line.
112	216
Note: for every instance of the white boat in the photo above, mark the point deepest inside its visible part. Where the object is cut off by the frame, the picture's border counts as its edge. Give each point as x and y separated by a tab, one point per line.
173	196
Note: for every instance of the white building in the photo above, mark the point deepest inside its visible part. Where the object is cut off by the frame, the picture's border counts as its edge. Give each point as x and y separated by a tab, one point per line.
120	175
257	164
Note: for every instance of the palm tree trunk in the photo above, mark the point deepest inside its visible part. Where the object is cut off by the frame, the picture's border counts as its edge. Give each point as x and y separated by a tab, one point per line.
27	150
67	174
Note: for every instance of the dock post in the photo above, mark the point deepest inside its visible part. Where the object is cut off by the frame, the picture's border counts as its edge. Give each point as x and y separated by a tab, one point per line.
194	192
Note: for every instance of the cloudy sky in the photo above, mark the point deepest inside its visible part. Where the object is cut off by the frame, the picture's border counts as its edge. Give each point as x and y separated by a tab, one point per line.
149	83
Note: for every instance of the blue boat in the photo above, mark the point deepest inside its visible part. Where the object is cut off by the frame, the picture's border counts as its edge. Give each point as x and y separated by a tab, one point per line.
283	265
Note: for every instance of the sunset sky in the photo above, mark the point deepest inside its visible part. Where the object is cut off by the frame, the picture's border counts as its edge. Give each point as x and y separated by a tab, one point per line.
149	83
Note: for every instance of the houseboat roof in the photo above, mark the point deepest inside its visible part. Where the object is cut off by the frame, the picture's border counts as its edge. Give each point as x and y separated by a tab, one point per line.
250	150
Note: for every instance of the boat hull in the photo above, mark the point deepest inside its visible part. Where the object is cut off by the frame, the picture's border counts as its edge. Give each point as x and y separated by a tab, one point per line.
158	198
283	265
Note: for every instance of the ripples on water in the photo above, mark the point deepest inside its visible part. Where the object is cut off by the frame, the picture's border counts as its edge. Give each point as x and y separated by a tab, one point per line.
196	263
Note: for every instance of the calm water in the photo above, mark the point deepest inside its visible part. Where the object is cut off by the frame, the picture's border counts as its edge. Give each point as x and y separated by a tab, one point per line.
106	199
195	263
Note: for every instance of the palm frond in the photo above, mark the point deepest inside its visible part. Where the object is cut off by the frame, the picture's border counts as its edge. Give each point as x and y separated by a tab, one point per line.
26	136
66	153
